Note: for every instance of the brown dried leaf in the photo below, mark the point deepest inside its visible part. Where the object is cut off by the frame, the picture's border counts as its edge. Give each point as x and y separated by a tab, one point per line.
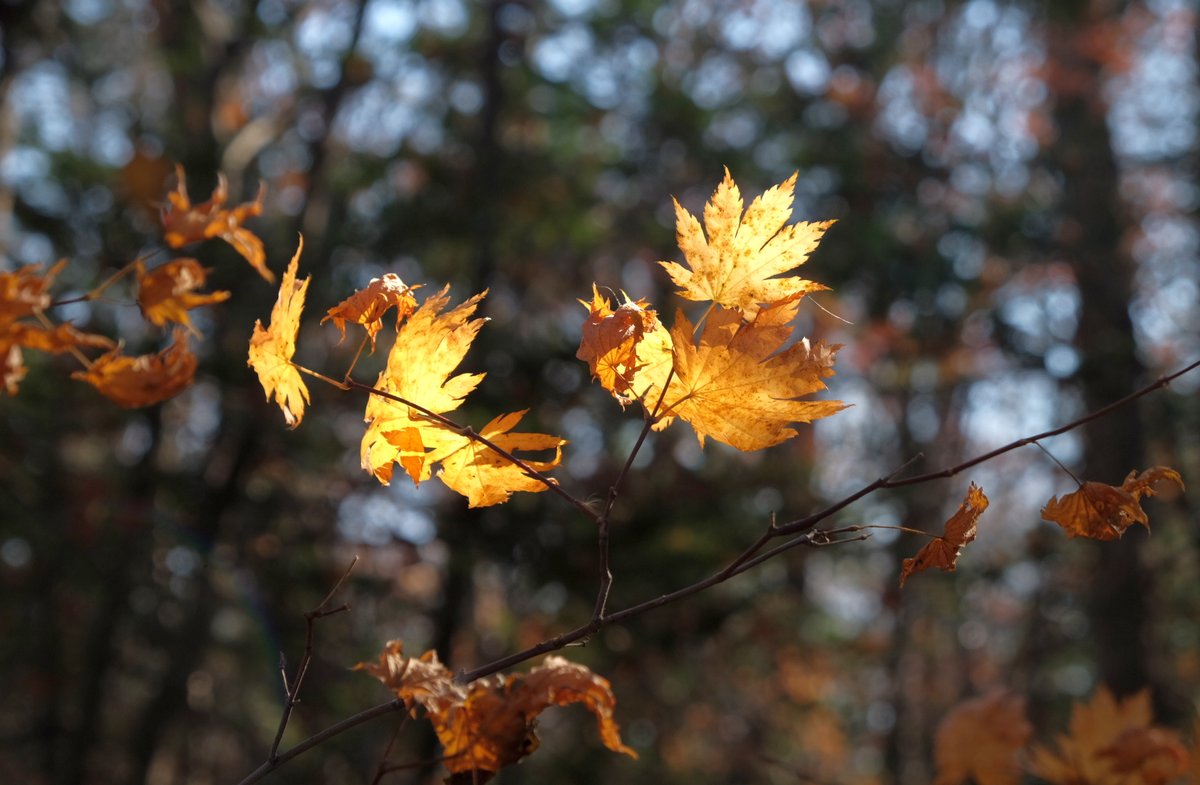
12	367
1086	753
187	223
271	348
1104	512
166	293
627	350
1154	756
368	305
144	380
979	739
25	291
942	552
56	340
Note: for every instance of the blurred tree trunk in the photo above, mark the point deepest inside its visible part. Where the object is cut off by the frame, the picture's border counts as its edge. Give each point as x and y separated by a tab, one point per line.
1093	224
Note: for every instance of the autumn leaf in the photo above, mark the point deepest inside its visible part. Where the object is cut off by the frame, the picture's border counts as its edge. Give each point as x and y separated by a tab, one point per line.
739	386
25	291
145	380
12	367
486	477
491	723
1104	512
942	552
429	346
187	223
271	348
368	305
167	293
979	740
737	264
1109	742
627	350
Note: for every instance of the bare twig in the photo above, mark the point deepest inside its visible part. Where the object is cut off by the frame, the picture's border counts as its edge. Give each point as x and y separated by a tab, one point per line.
1061	465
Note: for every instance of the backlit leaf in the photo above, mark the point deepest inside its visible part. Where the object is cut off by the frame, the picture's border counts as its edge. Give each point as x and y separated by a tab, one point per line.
25	291
271	348
186	223
627	350
167	293
484	476
1104	512
979	739
368	305
942	552
145	380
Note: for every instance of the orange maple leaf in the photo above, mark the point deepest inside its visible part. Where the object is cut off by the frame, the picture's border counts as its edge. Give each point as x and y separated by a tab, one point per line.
145	380
368	305
25	291
166	293
736	385
737	264
1110	742
1104	512
271	348
187	223
942	552
491	723
979	739
627	350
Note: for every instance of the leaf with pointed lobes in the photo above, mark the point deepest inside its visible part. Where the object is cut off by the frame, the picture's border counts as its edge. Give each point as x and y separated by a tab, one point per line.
1104	512
272	348
168	292
491	723
943	552
25	291
979	740
429	346
368	305
1111	742
187	223
737	265
627	350
145	380
484	476
737	386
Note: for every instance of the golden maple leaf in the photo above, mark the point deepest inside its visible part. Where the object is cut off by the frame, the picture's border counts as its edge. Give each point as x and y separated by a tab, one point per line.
167	293
1104	512
1109	743
368	305
145	380
25	291
942	552
736	385
627	350
271	348
484	476
491	722
737	264
428	347
979	739
187	223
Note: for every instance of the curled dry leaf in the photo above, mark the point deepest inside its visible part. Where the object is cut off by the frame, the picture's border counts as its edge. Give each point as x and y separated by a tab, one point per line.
1104	512
186	223
627	350
368	305
942	552
271	348
737	386
167	293
490	723
1111	742
979	740
56	340
25	291
145	380
737	264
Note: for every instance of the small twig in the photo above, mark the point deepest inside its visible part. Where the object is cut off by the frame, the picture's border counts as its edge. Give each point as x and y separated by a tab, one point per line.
383	767
94	294
74	350
292	687
340	385
357	355
1062	466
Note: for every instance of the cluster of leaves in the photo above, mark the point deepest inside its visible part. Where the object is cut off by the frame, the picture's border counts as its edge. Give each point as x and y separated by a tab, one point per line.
165	294
1109	741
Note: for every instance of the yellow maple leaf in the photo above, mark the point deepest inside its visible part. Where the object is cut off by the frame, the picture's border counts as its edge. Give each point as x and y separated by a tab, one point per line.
1108	740
1104	512
429	346
979	739
942	552
484	476
627	350
737	264
272	348
491	722
736	385
145	380
368	305
167	293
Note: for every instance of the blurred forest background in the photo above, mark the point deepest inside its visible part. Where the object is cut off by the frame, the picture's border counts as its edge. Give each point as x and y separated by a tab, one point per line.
1015	186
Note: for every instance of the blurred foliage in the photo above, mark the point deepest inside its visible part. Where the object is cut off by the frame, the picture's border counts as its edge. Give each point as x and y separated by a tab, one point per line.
1016	242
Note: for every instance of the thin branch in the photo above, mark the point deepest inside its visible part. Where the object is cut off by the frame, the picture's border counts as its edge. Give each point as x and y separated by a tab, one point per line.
291	688
1061	465
94	294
